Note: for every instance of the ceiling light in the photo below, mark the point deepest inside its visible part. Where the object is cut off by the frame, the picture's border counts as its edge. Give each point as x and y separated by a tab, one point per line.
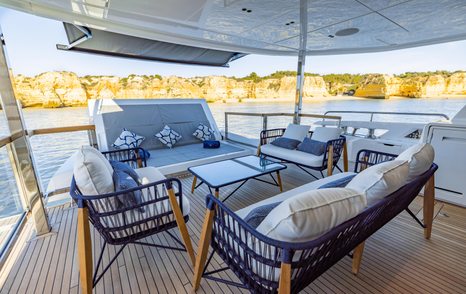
347	32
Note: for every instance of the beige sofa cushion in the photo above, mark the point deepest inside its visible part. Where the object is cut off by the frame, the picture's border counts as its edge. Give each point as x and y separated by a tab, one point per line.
311	214
420	158
380	180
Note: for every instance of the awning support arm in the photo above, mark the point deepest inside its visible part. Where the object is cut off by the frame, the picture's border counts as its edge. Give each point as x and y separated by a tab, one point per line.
87	36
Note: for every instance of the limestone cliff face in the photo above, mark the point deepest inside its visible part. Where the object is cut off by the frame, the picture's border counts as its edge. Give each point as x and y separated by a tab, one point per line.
50	89
413	87
57	89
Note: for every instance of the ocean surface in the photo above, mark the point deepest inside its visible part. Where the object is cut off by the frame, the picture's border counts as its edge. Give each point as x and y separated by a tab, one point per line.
50	151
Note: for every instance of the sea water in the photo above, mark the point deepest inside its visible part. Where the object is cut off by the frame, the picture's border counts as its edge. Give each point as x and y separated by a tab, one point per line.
50	151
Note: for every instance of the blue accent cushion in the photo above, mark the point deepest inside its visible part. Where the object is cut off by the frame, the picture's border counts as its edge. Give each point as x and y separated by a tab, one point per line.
124	177
121	166
286	143
257	215
339	183
143	154
312	146
211	144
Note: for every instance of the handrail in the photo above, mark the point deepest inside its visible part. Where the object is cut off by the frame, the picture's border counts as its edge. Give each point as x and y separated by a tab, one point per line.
266	115
61	130
390	112
8	139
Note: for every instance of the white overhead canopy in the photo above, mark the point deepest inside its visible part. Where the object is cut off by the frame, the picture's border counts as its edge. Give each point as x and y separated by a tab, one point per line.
267	26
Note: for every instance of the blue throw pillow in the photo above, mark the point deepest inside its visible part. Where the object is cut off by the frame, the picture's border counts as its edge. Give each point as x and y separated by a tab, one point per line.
121	166
143	154
339	183
286	143
122	181
312	146
257	215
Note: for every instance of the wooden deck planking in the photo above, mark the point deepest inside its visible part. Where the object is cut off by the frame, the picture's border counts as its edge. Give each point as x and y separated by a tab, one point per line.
397	259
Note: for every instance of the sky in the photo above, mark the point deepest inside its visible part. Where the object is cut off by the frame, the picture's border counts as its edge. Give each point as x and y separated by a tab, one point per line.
31	41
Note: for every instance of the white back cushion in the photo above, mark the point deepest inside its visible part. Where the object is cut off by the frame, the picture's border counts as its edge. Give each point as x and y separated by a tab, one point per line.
310	214
92	172
325	134
380	180
419	157
296	132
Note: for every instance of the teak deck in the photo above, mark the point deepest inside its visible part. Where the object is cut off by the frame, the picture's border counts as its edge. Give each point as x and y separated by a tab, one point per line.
396	259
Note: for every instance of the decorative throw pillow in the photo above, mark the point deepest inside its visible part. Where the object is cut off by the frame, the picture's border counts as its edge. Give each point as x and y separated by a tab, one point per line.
312	146
121	166
257	215
124	181
203	132
338	183
168	137
286	143
128	139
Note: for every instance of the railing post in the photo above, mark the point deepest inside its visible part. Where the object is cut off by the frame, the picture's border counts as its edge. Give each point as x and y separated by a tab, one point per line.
226	126
264	122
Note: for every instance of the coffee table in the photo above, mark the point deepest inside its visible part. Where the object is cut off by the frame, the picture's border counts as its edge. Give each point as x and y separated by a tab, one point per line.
238	170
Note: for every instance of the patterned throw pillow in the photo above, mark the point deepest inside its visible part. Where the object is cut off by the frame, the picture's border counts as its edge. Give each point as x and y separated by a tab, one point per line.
128	139
168	137
203	132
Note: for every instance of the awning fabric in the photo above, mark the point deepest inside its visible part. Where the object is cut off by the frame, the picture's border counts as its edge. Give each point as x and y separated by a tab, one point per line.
114	44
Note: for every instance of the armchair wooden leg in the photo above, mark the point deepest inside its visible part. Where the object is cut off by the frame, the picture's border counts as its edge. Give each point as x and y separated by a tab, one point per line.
279	180
345	157
330	161
258	152
85	251
284	284
193	187
181	225
429	202
357	257
204	244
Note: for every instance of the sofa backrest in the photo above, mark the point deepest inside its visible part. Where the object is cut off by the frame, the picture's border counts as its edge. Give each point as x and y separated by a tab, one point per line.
146	117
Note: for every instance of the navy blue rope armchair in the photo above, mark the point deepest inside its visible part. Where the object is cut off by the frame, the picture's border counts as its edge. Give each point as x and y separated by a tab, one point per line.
160	209
334	150
264	265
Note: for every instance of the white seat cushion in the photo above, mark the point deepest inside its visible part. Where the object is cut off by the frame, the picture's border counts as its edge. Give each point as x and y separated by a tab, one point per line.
297	156
293	192
311	214
92	172
296	132
325	134
380	180
420	158
151	174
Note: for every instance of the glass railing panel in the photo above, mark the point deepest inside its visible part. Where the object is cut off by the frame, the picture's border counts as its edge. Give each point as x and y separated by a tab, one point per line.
11	207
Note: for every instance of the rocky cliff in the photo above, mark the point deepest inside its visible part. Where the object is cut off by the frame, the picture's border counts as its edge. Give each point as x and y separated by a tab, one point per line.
57	89
413	86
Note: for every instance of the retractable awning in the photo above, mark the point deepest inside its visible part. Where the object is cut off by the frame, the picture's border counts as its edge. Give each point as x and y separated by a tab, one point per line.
107	43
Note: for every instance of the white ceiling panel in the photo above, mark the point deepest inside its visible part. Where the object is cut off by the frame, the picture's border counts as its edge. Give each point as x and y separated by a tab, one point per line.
260	26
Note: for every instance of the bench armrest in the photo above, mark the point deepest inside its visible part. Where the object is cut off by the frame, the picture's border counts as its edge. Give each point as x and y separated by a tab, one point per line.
267	136
366	158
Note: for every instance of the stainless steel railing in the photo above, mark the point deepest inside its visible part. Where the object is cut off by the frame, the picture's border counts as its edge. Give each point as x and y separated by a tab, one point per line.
372	113
265	117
